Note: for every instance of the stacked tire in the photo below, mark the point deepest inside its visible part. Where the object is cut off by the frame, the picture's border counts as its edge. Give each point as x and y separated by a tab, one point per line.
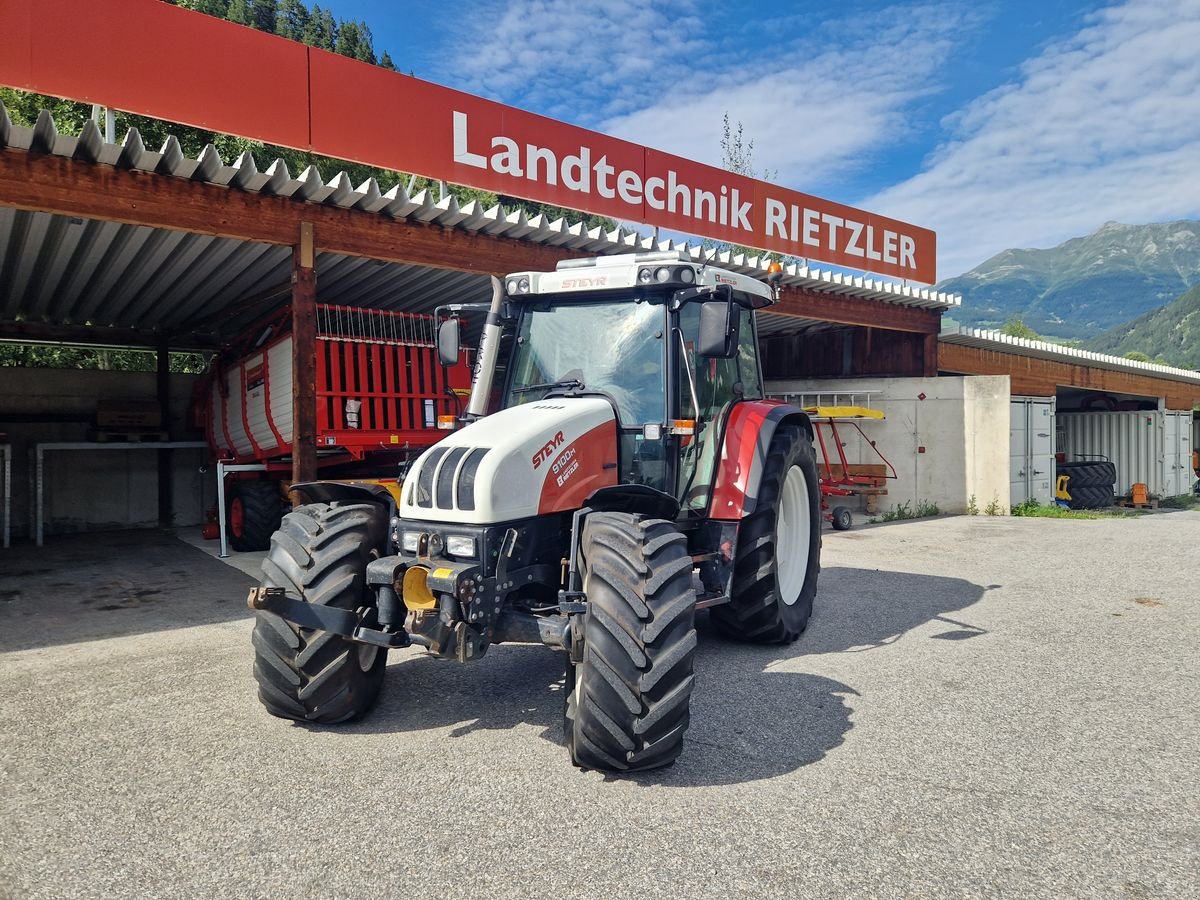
1091	483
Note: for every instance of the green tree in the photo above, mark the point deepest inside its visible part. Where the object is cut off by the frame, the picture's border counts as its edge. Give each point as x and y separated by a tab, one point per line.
354	40
386	61
291	19
239	11
1016	327
262	15
34	356
1137	356
366	44
321	29
218	8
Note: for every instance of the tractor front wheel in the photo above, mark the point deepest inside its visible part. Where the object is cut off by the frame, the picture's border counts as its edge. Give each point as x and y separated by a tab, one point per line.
628	700
320	555
778	547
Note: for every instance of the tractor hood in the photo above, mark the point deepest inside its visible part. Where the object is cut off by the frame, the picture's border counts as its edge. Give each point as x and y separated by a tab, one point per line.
529	460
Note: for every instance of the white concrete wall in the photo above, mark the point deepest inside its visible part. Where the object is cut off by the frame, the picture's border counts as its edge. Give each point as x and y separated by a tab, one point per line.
94	489
947	437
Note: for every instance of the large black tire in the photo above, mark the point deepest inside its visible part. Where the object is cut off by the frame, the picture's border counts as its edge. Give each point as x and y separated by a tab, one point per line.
1089	474
253	512
628	700
320	555
766	608
1092	496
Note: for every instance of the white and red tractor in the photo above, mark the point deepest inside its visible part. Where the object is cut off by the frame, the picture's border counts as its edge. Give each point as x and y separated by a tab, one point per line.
617	469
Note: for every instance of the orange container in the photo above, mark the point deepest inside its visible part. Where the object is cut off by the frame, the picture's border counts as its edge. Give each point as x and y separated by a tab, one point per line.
1140	494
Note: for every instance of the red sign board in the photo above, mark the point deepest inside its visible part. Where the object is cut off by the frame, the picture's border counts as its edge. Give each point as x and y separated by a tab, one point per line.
152	58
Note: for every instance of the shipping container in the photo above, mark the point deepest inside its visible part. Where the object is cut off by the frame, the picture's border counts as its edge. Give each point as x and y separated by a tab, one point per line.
1177	453
1031	450
1149	446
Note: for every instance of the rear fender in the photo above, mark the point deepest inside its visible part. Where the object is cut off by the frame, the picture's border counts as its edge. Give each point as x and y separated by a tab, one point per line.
748	433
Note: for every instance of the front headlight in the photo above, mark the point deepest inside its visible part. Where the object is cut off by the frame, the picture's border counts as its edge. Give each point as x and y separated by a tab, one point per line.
410	541
460	545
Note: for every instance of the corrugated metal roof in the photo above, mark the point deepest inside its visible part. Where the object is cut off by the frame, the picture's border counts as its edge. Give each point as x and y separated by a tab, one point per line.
121	275
994	340
83	271
774	324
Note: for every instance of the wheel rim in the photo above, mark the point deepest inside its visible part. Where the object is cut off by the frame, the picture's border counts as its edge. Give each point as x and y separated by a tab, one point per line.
237	517
366	656
793	527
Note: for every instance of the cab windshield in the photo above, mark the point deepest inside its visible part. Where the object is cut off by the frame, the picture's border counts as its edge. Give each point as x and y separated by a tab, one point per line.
613	347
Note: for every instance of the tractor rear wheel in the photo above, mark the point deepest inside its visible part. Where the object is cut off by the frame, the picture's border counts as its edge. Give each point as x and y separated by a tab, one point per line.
778	547
628	700
320	555
253	513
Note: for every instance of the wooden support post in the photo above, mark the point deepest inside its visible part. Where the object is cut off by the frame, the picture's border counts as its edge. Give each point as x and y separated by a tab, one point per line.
930	355
166	498
304	357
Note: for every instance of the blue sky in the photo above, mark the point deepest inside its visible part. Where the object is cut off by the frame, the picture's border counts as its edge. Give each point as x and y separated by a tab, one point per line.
996	124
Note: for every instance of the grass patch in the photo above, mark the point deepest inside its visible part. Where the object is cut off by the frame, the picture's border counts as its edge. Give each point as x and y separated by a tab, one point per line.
1033	509
925	509
1184	501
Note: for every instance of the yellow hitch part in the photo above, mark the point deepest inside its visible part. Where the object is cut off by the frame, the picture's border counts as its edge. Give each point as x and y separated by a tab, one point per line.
1060	488
416	594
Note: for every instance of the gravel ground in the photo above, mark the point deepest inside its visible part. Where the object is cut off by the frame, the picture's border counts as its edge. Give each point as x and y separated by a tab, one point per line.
981	708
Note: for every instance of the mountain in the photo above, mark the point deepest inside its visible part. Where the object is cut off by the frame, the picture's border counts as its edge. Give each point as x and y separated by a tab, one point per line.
1171	332
1084	286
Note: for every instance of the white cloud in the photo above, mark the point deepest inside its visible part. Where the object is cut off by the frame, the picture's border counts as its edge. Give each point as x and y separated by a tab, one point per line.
1103	126
580	62
817	107
652	71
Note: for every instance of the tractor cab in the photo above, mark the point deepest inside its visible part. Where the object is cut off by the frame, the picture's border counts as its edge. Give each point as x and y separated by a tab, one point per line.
670	344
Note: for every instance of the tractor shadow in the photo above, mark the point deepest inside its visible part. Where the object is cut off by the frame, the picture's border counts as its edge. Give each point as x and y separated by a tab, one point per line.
755	713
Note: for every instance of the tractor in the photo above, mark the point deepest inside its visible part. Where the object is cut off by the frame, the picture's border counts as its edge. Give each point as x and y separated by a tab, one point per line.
616	469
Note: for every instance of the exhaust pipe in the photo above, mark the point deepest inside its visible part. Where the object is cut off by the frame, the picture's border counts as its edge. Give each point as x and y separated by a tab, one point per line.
489	351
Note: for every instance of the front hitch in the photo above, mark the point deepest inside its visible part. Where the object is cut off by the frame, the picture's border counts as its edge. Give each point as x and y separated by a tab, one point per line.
355	625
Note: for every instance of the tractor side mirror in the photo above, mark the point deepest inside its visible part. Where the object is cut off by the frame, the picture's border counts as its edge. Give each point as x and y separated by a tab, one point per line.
718	330
447	342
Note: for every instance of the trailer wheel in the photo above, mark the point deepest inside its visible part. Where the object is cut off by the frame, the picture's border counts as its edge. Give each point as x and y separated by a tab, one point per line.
778	547
628	700
252	515
842	519
319	555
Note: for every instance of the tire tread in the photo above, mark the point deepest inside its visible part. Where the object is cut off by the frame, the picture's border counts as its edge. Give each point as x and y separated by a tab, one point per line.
636	680
318	555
